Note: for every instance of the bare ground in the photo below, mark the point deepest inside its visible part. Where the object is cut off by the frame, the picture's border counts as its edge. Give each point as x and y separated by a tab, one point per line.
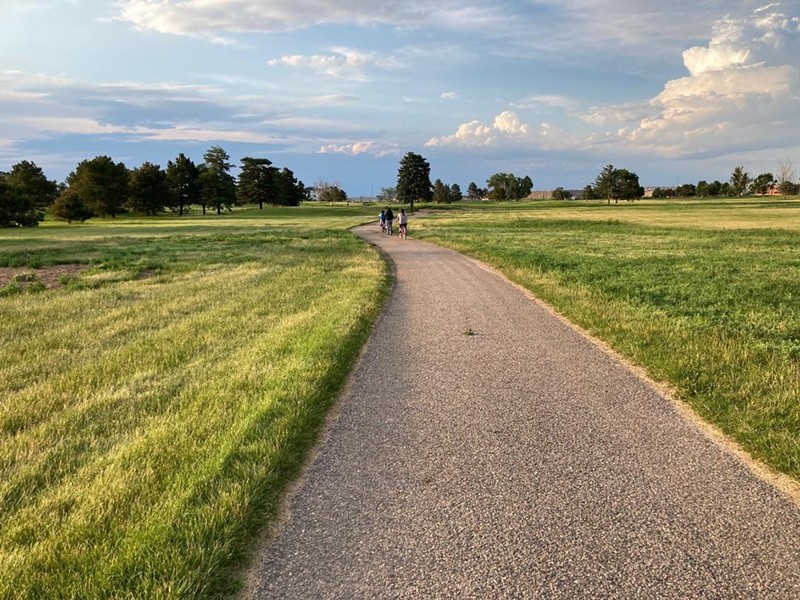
50	276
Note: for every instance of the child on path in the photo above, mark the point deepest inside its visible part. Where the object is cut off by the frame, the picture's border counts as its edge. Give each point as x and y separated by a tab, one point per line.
383	220
389	220
403	221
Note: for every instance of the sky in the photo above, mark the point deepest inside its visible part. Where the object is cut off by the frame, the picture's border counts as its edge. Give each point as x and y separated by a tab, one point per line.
673	90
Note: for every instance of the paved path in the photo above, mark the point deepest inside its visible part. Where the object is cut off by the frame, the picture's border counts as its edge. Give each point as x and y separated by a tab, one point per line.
520	462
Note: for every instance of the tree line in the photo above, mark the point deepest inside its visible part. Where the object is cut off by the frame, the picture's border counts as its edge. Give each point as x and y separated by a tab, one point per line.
414	185
102	187
611	183
739	183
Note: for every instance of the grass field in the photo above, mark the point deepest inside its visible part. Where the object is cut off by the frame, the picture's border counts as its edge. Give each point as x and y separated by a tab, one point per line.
705	295
153	407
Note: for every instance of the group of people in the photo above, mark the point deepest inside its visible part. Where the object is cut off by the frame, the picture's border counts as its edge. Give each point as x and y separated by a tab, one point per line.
387	220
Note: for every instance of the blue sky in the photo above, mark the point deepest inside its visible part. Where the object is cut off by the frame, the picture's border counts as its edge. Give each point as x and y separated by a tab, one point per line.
339	91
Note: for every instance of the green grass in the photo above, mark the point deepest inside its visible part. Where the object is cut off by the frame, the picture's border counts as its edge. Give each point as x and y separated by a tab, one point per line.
683	289
149	425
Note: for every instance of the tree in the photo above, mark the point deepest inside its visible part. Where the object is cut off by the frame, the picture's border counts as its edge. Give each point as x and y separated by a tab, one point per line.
31	185
761	184
217	185
16	210
183	179
256	181
102	185
739	181
70	207
788	188
786	174
388	194
332	193
589	193
506	186
702	189
619	184
715	188
148	189
441	192
455	193
561	194
288	190
474	192
414	180
687	190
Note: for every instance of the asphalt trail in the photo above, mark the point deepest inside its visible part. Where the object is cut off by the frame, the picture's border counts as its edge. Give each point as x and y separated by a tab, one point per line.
520	462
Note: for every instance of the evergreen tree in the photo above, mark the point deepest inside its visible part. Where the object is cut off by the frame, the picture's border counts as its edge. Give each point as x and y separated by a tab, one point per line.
102	185
31	185
70	207
617	184
474	192
217	185
441	193
289	191
257	182
148	190
16	210
183	179
414	180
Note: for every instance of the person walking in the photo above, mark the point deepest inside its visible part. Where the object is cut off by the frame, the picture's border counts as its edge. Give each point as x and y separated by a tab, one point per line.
389	220
402	220
383	221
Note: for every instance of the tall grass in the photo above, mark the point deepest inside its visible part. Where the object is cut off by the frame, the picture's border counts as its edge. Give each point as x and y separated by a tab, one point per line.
149	424
712	311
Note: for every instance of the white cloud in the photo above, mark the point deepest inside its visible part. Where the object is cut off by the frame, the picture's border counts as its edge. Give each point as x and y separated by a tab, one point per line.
209	17
743	90
329	100
47	126
377	149
341	63
46	108
551	101
506	130
449	96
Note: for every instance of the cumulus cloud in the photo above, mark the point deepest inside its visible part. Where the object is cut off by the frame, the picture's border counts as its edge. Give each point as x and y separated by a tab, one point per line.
449	96
506	130
741	92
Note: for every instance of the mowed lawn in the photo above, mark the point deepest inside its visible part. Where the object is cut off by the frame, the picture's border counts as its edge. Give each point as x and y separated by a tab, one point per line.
704	294
154	406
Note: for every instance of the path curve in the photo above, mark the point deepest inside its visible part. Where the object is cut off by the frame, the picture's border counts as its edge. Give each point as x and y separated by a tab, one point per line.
521	461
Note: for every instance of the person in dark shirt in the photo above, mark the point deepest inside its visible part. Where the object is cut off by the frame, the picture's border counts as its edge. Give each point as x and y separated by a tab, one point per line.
389	220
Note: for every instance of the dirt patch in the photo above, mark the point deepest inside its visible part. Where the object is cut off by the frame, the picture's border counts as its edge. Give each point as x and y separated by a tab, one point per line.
49	276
